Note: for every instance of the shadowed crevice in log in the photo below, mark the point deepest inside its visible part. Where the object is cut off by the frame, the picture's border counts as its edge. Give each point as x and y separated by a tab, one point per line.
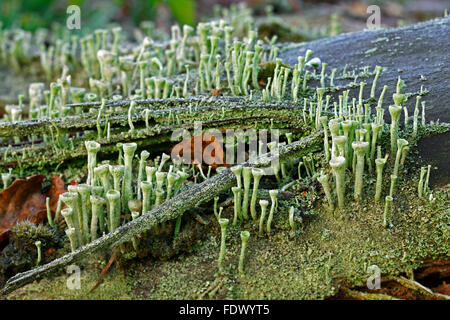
418	53
435	150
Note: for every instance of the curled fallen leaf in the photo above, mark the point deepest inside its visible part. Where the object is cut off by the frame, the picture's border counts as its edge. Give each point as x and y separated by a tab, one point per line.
24	200
209	150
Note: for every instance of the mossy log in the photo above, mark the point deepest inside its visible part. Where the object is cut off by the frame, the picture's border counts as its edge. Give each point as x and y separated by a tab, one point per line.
89	121
195	195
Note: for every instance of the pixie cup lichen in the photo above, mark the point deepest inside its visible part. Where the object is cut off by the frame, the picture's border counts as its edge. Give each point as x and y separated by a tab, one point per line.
247	176
379	163
323	179
263	204
257	175
127	190
273	198
223	229
92	148
395	112
237	204
360	148
113	197
245	235
338	166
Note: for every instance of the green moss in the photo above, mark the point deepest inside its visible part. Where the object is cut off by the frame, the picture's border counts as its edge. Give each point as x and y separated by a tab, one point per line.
308	266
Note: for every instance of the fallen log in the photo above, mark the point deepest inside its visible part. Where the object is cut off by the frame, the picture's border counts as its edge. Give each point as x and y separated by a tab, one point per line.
86	122
419	54
169	210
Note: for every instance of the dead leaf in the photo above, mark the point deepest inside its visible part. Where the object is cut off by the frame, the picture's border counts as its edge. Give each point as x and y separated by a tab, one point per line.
210	152
358	9
56	189
24	200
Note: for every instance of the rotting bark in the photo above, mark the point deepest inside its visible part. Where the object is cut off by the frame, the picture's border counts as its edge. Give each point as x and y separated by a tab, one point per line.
42	155
169	210
74	123
158	102
419	54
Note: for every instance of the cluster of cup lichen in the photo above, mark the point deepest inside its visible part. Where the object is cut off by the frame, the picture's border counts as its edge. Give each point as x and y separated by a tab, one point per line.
124	84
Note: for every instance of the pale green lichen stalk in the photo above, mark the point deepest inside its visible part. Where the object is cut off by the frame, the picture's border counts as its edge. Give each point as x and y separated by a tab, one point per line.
223	228
237	204
49	213
102	173
395	112
420	188
427	179
159	192
247	177
401	143
127	190
387	210
338	166
98	216
379	163
113	197
71	201
92	148
39	254
245	235
141	171
257	175
263	204
6	178
360	148
273	198
376	129
323	179
146	188
84	192
323	120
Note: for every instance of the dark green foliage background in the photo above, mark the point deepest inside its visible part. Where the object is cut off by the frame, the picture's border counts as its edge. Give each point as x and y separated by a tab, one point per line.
35	14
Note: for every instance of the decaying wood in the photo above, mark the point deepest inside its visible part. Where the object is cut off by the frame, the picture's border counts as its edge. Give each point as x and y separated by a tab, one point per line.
418	53
89	121
169	210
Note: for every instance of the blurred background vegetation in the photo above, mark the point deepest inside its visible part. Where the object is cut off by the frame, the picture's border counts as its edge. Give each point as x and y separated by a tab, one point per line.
34	14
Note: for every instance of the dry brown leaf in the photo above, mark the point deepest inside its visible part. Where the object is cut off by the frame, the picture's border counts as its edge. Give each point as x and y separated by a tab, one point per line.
24	200
210	153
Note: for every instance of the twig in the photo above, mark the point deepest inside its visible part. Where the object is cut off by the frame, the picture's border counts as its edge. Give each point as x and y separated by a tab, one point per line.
105	269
